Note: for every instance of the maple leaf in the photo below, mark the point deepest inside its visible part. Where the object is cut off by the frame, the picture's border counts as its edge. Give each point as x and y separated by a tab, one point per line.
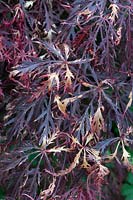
125	157
130	101
61	105
97	121
53	78
114	13
71	167
67	51
68	76
57	149
113	155
85	164
47	141
46	193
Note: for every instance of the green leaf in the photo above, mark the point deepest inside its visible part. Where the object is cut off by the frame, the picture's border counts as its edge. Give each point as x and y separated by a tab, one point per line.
130	178
110	165
115	129
31	158
84	179
129	197
131	108
109	91
127	189
34	159
2	193
130	151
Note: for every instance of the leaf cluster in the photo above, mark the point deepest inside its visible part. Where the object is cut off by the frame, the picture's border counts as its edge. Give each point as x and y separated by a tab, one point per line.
69	111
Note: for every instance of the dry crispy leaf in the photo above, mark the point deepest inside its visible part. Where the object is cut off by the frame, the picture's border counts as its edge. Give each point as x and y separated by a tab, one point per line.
89	137
85	164
68	76
119	35
113	155
75	140
61	105
130	101
97	121
72	166
114	14
48	141
57	149
125	157
103	171
53	80
67	49
86	84
28	4
46	193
